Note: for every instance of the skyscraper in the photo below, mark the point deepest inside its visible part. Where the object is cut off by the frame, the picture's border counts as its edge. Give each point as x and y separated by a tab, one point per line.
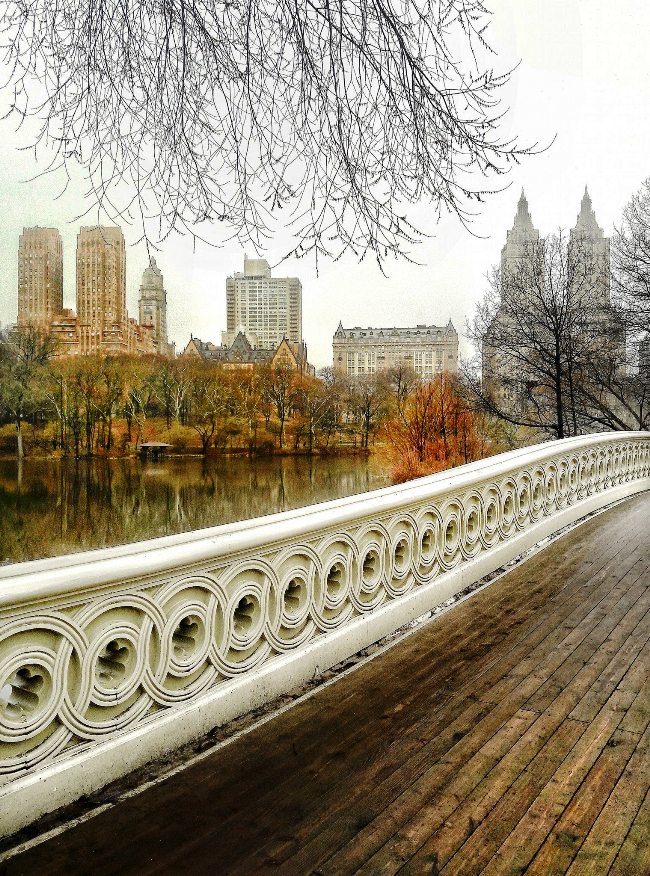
520	240
152	307
40	276
519	360
589	250
101	287
267	309
589	262
519	253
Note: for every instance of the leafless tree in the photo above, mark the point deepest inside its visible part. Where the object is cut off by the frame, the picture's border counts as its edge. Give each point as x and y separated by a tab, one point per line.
328	120
612	391
279	390
631	259
368	403
401	381
549	339
209	403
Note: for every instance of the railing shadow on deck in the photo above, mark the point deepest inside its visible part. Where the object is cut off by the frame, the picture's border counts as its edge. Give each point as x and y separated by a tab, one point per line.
114	657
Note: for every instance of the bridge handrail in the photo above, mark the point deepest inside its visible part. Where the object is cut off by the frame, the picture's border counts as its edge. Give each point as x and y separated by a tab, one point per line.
140	647
38	579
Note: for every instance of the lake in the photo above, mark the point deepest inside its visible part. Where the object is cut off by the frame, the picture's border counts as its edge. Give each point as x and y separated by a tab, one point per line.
60	506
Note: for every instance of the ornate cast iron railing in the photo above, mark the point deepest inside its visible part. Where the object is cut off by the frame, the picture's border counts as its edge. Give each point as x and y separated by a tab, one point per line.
111	657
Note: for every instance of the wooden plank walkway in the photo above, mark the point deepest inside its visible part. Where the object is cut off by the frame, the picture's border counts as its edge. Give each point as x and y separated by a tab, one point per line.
510	735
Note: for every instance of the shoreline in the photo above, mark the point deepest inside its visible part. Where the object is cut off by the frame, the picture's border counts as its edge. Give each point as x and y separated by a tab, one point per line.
195	453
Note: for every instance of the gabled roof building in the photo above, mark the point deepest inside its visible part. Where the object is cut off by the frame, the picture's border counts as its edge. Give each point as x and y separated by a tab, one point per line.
242	354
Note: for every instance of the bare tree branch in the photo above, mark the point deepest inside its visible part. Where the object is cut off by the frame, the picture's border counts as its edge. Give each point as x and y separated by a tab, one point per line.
326	119
553	348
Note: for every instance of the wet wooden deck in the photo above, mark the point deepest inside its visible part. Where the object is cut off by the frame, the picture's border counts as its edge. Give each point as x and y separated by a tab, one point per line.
510	735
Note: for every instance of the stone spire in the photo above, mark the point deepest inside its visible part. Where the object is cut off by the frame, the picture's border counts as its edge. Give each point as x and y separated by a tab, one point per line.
586	224
587	243
523	219
520	238
152	277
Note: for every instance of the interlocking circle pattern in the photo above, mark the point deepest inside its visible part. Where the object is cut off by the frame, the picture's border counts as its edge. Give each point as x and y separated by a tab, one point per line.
75	675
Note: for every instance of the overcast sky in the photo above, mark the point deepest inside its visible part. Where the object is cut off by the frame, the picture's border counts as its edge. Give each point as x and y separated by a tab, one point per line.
584	78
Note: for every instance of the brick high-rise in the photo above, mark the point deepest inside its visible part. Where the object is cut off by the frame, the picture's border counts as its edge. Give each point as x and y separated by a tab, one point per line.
101	289
40	277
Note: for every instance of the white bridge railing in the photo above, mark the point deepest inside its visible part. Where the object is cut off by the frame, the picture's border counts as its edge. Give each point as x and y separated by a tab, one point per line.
112	657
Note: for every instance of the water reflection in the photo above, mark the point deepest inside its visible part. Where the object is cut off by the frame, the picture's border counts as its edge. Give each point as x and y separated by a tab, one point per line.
51	507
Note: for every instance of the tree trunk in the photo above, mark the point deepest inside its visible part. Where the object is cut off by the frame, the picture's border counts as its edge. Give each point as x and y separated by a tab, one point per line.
559	404
20	452
89	435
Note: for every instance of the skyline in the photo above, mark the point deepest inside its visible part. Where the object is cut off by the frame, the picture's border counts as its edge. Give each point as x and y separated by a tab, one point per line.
132	292
569	84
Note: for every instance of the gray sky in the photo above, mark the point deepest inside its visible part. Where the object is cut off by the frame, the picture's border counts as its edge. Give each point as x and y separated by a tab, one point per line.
584	78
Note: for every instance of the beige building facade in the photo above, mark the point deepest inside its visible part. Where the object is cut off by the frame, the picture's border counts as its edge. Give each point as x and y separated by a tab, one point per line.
40	277
152	308
101	289
101	324
428	349
521	243
587	243
265	308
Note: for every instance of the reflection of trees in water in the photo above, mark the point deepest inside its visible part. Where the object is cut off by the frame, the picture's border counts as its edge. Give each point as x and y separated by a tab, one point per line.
57	507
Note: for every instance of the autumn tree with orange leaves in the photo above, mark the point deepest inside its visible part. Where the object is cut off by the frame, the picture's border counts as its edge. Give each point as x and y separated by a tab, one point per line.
433	428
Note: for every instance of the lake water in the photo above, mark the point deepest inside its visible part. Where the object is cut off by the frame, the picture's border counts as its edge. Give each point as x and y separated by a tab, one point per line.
61	506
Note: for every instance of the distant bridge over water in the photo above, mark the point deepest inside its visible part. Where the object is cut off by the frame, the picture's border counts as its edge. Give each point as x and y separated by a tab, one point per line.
508	734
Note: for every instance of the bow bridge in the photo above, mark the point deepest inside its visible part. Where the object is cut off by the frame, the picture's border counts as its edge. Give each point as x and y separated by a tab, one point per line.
507	734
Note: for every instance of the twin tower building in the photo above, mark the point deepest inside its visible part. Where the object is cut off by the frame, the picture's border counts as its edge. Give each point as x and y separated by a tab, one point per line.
587	241
101	323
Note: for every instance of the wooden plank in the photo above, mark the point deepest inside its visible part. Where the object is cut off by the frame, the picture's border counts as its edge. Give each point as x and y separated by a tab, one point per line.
633	857
636	719
565	636
635	651
562	844
631	620
531	831
580	654
300	840
428	801
367	838
608	833
504	796
442	825
481	841
478	809
340	769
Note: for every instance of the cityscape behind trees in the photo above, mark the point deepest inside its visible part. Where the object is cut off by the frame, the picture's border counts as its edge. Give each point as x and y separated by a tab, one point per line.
560	336
561	330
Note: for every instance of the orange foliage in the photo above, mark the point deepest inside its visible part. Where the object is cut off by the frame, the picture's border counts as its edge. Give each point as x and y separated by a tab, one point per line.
434	430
